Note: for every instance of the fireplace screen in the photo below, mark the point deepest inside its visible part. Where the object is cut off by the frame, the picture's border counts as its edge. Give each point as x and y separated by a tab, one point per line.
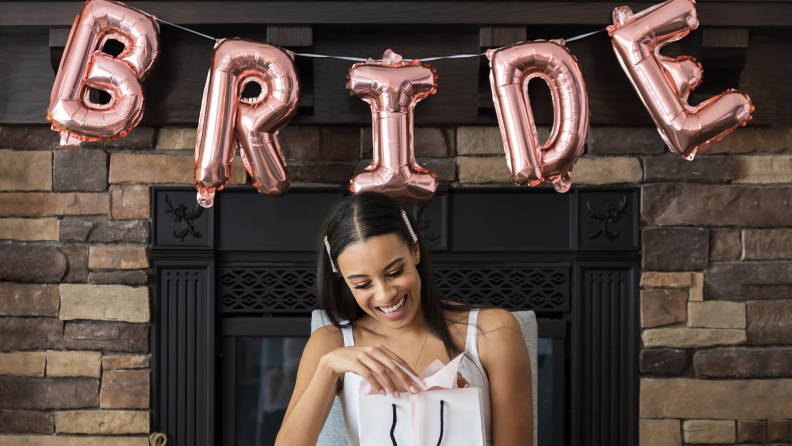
232	301
266	370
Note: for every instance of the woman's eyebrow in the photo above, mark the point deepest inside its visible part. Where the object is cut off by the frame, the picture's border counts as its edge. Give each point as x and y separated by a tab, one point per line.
358	276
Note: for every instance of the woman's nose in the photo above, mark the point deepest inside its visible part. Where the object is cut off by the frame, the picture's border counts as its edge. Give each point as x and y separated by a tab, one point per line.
385	293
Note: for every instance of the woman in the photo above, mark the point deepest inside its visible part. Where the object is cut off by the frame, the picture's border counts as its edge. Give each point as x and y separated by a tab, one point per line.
373	272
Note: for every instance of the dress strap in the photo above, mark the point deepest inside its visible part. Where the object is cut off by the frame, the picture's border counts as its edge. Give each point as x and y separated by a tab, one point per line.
349	337
471	343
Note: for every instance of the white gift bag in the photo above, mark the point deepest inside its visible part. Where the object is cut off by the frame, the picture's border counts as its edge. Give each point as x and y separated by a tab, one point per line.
439	414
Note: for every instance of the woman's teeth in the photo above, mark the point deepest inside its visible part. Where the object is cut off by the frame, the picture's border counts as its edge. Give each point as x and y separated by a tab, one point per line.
395	308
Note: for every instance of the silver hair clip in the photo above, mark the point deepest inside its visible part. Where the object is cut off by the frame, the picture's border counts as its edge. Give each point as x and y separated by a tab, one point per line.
329	256
409	226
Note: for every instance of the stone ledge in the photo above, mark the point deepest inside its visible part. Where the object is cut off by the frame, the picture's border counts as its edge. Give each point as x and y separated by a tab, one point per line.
716	314
17	333
663	307
58	440
675	204
104	302
744	362
768	244
691	337
623	140
609	170
125	389
130	201
125	362
659	433
114	337
74	364
665	280
47	393
482	170
717	400
118	257
763	169
22	299
153	169
177	138
753	139
102	422
707	431
39	204
25	170
23	364
29	229
12	422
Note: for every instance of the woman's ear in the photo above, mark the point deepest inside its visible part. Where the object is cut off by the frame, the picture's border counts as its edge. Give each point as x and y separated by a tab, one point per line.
415	250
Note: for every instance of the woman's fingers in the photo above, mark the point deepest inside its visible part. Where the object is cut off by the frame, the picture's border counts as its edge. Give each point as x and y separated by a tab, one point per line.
461	381
381	370
387	357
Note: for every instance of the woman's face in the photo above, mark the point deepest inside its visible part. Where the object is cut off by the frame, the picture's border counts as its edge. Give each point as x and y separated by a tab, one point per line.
382	274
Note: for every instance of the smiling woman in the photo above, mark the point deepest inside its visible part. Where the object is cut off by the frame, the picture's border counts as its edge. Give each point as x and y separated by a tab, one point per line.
377	287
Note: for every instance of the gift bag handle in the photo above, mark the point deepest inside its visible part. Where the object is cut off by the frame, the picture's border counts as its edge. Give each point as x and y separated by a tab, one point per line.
393	426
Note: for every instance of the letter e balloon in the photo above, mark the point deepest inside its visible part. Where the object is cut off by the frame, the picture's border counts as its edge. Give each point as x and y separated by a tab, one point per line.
664	84
511	68
85	66
254	123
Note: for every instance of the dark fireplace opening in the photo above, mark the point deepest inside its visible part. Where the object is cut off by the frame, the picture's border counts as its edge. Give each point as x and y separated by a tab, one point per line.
234	288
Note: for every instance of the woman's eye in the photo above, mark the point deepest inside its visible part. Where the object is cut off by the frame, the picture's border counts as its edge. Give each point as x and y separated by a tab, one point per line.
362	286
396	273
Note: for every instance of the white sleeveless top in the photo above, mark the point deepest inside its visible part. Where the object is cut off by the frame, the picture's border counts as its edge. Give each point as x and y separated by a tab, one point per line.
470	368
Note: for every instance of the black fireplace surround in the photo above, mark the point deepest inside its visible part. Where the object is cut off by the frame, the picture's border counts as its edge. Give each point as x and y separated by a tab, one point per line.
244	271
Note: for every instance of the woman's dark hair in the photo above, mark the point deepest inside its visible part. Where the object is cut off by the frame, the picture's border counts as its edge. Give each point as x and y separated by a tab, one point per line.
356	219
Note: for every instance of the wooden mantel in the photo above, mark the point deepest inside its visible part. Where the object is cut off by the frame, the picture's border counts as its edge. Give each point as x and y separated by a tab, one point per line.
742	44
714	13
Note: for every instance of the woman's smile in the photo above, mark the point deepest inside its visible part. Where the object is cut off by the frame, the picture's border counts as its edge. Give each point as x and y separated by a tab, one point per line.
395	311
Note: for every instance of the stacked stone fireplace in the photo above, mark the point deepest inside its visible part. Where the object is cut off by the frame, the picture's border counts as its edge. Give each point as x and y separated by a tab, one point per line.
716	283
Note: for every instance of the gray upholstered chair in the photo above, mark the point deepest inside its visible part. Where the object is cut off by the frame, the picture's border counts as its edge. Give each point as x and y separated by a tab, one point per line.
334	432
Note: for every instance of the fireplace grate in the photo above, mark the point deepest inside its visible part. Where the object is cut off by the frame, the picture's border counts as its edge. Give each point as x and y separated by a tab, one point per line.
258	289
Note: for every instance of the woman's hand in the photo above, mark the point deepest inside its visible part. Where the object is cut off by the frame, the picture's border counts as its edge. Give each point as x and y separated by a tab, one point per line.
367	362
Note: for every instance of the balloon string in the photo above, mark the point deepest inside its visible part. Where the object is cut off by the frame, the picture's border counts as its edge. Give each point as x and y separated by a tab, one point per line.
583	36
358	59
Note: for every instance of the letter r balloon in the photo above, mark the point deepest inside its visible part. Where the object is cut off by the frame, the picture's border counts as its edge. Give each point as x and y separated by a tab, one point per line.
664	84
512	67
254	123
392	87
84	65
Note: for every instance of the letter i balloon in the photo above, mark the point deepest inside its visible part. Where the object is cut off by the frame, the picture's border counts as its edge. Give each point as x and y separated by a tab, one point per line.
85	66
392	87
664	83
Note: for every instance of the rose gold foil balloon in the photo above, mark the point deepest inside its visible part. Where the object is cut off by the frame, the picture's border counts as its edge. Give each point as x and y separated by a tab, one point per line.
512	67
84	65
392	87
253	123
664	83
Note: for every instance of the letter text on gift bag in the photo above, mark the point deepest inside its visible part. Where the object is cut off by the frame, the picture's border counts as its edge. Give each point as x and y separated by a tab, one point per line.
664	83
392	87
439	414
84	66
254	123
511	68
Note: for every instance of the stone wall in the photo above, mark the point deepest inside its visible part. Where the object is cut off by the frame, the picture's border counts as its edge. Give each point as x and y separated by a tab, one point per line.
716	289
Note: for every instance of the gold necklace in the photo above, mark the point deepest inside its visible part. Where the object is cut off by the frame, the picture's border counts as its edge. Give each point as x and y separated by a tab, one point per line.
419	353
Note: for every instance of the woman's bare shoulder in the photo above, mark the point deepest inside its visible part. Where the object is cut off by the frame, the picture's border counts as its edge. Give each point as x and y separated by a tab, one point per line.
325	339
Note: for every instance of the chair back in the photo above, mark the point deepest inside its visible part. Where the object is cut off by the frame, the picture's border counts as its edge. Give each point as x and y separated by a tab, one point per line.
334	431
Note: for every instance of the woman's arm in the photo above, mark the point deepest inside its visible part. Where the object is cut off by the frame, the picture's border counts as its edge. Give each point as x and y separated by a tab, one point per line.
313	392
323	364
504	356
